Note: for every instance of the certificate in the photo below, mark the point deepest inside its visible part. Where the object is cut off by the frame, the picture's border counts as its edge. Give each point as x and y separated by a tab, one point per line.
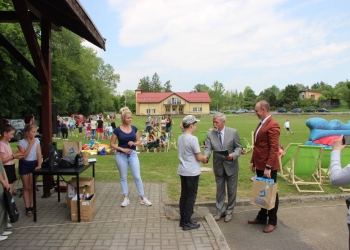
221	152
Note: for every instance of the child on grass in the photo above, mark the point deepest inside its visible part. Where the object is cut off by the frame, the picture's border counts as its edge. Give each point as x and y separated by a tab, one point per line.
189	170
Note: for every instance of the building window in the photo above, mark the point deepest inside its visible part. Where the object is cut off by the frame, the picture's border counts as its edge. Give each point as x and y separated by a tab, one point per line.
167	109
174	101
150	111
313	97
195	109
199	108
180	109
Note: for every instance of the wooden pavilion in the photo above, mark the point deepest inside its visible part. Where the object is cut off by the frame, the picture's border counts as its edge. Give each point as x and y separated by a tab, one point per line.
52	15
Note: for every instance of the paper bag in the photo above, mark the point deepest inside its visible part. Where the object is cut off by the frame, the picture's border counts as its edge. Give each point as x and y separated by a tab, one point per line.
71	148
263	194
86	158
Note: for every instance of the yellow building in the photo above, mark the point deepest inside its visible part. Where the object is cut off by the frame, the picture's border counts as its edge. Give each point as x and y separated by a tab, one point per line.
307	94
174	103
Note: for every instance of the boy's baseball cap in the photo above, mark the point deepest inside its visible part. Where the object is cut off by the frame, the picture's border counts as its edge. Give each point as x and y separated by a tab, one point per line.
188	120
143	134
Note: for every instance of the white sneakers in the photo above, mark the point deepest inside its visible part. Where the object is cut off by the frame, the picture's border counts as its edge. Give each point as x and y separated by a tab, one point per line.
143	201
9	226
3	238
125	202
5	233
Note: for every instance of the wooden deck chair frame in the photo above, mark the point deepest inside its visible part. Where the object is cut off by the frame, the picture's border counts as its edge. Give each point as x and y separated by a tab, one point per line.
326	163
174	143
306	162
201	138
248	145
288	155
345	159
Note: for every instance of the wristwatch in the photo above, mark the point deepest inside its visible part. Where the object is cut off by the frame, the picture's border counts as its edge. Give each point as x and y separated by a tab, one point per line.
268	167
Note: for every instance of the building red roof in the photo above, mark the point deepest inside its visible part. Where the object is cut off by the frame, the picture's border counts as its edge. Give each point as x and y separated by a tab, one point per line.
156	97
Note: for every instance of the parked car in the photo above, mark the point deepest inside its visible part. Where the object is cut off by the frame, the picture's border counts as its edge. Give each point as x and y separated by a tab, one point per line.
19	125
282	110
296	110
241	111
213	111
322	110
250	111
233	111
309	111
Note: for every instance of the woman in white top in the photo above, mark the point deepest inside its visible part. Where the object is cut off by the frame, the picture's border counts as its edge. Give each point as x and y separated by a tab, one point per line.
163	123
93	128
30	147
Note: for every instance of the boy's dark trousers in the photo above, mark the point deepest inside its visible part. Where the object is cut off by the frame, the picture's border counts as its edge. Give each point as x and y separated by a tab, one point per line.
189	188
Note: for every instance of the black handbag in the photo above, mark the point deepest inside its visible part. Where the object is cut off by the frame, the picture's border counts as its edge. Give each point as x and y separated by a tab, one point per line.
53	155
79	160
66	162
10	206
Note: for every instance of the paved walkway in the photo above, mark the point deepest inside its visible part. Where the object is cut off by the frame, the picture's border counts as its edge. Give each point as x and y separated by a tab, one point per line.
113	227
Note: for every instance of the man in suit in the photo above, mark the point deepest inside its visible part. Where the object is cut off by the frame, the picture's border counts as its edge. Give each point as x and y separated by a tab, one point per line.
265	159
225	167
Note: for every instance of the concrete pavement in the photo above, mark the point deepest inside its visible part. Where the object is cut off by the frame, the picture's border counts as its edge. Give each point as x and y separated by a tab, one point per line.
113	227
308	222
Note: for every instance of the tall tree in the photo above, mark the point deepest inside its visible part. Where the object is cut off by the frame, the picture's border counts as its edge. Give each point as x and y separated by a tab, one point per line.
167	86
216	94
156	83
290	94
202	87
145	84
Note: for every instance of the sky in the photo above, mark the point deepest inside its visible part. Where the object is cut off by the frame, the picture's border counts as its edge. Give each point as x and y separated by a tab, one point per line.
239	43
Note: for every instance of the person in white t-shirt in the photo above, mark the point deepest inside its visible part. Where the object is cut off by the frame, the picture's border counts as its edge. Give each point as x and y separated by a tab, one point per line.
287	126
189	170
143	141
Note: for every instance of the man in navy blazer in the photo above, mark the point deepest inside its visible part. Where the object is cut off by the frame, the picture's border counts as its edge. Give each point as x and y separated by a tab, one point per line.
225	167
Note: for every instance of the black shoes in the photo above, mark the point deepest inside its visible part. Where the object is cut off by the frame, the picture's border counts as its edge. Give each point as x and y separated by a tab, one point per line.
190	225
181	224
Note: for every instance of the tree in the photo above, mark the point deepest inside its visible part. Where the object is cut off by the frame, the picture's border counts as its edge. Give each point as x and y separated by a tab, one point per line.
216	94
249	94
129	99
317	85
201	88
290	94
167	86
300	86
156	84
145	84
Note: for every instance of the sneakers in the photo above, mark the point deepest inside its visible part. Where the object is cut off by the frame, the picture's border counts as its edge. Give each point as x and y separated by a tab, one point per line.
9	226
190	225
125	202
181	224
5	233
3	238
145	202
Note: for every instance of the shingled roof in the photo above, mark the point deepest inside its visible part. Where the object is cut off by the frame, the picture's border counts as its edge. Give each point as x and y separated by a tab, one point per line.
156	97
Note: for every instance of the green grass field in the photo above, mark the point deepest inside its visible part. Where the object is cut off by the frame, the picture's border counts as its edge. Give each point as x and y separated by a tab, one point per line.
162	167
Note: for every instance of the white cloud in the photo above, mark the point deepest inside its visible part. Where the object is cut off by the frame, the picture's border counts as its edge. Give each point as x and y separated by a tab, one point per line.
190	37
209	35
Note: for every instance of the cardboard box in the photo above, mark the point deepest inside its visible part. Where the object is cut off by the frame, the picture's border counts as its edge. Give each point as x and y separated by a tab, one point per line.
87	182
87	209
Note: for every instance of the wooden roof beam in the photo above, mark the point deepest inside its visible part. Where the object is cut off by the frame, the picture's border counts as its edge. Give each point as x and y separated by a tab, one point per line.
11	17
32	41
18	56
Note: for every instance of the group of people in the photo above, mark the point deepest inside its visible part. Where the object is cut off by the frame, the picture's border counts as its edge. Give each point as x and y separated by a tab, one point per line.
89	128
29	155
165	123
264	162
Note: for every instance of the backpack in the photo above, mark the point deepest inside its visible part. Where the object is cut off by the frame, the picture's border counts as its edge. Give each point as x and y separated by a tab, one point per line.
10	206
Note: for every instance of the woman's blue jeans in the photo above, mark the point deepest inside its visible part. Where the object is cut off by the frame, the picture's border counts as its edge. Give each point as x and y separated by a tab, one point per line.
123	161
93	133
